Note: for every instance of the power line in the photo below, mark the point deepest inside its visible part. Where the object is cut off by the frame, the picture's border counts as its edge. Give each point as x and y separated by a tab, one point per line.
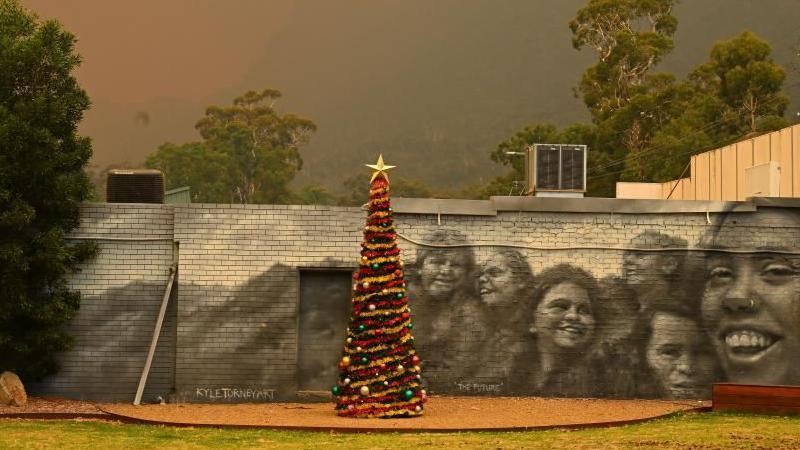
679	177
653	149
656	148
623	170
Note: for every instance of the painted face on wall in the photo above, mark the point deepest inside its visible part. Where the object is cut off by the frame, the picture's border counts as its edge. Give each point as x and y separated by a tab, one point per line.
643	268
564	318
442	273
751	301
679	357
496	283
635	265
639	268
751	308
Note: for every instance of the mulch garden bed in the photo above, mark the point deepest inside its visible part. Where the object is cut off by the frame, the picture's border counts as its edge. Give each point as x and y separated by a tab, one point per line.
52	408
441	414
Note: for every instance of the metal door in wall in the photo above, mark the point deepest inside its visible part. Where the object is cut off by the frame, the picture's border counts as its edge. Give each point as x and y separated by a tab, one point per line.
324	309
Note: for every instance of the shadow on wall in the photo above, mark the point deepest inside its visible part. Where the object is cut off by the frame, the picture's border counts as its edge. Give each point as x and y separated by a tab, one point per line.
113	331
242	344
674	321
238	344
324	309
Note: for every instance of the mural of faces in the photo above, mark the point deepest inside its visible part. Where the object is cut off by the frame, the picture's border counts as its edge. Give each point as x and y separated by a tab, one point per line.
562	327
646	271
642	268
751	305
671	323
678	356
495	282
563	318
502	277
443	273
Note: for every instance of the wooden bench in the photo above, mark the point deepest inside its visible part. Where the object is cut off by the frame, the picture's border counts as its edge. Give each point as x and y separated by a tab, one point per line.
755	398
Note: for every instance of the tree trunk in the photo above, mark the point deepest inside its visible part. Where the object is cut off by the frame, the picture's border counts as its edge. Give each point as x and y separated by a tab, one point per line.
12	392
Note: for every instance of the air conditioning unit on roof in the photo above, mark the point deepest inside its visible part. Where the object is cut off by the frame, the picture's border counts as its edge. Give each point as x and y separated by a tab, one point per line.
135	186
557	170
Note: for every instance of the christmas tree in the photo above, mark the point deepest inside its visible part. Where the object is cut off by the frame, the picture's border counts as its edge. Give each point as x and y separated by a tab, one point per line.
379	373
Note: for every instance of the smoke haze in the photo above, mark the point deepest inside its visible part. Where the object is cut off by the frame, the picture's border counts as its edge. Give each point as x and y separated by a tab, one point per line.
434	86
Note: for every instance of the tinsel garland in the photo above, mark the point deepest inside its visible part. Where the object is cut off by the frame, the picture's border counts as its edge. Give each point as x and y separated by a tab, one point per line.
380	372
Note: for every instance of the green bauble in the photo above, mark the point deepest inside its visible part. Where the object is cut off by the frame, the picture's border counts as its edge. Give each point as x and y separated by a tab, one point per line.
335	390
399	295
364	360
408	394
375	266
361	327
410	326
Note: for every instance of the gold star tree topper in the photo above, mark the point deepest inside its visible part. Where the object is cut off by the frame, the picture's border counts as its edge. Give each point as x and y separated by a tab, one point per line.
380	169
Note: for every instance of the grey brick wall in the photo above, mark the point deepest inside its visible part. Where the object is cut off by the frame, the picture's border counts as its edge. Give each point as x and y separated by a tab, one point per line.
239	291
121	290
232	328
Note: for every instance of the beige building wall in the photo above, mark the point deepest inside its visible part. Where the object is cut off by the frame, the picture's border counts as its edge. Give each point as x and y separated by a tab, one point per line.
639	190
795	170
721	174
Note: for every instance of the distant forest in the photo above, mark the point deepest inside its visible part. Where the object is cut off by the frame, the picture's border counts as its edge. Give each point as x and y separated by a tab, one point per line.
627	78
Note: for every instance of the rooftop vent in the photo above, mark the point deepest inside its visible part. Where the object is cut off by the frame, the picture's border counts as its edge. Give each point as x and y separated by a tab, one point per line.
135	186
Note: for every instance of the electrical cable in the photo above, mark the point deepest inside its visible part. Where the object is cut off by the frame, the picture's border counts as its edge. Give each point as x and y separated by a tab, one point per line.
603	247
679	177
707	127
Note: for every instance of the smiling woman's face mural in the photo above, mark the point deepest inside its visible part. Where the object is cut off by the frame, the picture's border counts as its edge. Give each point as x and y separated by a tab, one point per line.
751	301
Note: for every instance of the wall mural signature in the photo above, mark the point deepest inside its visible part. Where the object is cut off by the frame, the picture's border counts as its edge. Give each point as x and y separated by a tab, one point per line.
233	394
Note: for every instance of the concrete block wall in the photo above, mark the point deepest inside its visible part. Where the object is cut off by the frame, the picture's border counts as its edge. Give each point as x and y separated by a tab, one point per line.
121	290
235	318
237	321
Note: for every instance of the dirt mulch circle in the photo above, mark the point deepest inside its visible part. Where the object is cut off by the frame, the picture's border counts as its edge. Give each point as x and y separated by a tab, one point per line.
52	408
442	414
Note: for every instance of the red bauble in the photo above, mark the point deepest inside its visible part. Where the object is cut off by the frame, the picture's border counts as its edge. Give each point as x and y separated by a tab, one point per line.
415	360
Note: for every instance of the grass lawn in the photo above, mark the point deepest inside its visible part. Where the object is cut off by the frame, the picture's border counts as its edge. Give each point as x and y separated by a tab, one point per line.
691	431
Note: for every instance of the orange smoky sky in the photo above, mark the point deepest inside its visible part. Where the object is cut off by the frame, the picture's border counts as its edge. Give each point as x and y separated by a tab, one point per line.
151	67
433	85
